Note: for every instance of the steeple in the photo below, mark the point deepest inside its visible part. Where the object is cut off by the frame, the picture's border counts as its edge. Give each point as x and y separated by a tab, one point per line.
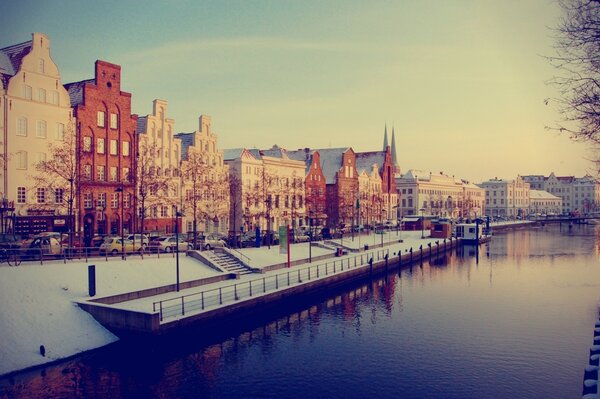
385	140
394	156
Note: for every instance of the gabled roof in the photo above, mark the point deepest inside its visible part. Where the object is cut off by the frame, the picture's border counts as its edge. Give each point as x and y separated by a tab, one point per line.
11	63
75	90
187	140
331	162
302	155
275	152
256	153
232	153
365	161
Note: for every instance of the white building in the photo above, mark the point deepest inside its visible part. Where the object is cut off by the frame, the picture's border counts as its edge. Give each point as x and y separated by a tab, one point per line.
438	194
577	194
542	202
507	198
35	111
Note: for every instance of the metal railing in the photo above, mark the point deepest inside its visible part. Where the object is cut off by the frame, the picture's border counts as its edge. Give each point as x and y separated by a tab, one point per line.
237	254
231	293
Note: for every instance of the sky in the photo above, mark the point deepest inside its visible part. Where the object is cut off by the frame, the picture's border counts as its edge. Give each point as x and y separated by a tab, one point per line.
462	83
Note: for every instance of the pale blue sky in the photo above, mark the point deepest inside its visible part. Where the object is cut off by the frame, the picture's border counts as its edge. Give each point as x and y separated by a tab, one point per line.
461	81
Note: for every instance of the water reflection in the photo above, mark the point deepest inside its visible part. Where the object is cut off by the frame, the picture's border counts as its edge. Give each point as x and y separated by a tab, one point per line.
484	315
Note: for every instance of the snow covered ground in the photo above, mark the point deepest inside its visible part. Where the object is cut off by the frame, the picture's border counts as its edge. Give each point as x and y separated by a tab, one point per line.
37	303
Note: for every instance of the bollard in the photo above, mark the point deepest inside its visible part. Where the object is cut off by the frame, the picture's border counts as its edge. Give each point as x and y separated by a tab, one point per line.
411	259
386	261
421	253
371	265
399	260
92	280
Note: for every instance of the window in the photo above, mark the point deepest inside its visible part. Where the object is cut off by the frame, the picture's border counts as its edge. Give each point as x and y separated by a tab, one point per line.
125	148
42	95
54	97
101	172
114	202
163	212
100	146
22	160
21	195
114	171
41	129
41	157
60	131
87	200
41	66
113	147
126	175
114	121
41	195
100	119
21	126
87	144
126	200
87	172
102	200
59	195
27	92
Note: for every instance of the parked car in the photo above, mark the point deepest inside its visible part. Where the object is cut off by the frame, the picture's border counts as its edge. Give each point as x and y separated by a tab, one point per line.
44	245
248	240
140	240
213	241
114	245
301	238
168	244
10	241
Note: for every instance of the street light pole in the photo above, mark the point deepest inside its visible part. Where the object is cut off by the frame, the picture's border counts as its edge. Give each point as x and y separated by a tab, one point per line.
422	223
121	195
176	214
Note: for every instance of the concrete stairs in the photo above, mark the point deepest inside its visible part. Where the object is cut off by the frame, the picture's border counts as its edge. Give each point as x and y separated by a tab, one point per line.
227	262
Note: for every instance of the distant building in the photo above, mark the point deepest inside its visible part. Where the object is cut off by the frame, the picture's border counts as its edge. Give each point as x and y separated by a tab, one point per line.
159	177
35	111
508	198
107	150
314	185
577	194
542	202
438	194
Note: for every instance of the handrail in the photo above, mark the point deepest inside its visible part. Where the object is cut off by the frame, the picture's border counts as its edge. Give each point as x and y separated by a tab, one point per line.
230	293
246	260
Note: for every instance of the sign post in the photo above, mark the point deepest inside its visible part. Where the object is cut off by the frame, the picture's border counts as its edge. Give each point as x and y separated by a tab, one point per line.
284	241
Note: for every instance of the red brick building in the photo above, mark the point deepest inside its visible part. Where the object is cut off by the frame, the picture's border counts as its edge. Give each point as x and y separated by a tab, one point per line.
388	195
106	148
315	186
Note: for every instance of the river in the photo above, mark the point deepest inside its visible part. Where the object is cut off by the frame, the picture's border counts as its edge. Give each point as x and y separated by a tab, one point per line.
514	321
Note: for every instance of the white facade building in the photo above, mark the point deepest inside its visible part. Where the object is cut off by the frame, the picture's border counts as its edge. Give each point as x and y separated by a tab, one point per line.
507	198
580	195
543	203
438	194
35	111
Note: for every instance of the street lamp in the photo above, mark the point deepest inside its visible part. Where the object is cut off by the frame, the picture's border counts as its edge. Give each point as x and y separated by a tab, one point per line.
268	202
176	215
422	210
121	195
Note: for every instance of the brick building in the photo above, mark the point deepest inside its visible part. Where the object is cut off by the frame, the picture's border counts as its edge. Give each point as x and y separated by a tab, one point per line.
315	186
106	147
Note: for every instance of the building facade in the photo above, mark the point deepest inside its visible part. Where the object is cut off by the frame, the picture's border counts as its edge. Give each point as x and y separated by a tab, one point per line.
438	194
506	198
580	195
158	176
543	203
106	148
341	178
315	187
35	113
205	181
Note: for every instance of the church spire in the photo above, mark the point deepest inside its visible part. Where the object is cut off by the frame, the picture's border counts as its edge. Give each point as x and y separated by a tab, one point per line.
394	156
385	140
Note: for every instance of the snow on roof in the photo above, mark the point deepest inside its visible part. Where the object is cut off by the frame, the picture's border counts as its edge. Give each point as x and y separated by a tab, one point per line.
232	153
187	140
302	155
75	90
541	195
366	160
331	162
14	54
6	67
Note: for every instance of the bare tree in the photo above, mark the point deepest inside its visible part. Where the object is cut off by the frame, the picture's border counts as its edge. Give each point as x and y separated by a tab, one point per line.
153	187
57	176
577	60
235	203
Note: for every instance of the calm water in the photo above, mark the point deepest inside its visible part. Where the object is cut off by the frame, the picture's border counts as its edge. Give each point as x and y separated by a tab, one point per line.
516	324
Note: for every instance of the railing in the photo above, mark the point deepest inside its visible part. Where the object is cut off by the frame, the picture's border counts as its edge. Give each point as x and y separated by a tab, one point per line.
199	301
237	254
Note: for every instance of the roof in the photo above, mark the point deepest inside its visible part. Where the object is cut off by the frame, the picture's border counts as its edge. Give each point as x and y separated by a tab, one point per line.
75	90
275	152
365	161
256	153
142	123
331	162
187	140
540	194
232	153
302	155
11	62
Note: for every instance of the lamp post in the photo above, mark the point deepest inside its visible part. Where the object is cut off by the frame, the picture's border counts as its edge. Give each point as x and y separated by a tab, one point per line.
120	192
71	214
176	215
268	202
422	222
310	213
